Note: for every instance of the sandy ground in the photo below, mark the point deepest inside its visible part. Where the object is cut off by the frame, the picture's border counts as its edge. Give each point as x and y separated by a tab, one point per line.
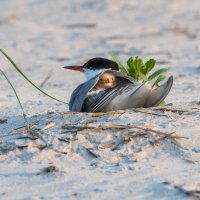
134	161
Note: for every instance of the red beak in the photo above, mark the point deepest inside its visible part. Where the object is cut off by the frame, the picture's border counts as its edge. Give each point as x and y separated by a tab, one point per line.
76	68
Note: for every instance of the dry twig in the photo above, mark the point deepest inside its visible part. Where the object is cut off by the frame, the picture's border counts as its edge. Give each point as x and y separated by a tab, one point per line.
49	75
171	109
49	125
162	138
120	112
110	126
150	113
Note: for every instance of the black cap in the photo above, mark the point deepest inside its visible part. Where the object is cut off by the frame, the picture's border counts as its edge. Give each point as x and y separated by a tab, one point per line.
101	63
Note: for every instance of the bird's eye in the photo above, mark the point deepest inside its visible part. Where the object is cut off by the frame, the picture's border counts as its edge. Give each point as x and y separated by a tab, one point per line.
100	79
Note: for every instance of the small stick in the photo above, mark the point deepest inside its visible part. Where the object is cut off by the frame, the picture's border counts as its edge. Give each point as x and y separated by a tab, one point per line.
66	126
179	137
50	125
30	125
49	75
136	110
170	109
71	113
99	114
167	136
18	128
87	121
93	114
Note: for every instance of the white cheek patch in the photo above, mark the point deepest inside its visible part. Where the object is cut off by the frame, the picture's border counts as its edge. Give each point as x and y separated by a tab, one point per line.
92	73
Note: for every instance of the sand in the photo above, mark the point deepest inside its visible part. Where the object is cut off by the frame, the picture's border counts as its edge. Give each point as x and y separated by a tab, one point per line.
132	154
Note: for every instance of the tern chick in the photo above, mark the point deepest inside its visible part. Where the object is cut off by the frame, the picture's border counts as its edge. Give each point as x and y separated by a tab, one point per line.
106	80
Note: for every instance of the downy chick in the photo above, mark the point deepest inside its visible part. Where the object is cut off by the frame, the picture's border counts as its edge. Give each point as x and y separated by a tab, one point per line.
106	80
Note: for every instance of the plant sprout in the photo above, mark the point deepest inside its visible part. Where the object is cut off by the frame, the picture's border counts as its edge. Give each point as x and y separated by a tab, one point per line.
141	71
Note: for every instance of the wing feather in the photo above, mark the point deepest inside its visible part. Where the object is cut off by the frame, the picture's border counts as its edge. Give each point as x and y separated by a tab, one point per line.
97	101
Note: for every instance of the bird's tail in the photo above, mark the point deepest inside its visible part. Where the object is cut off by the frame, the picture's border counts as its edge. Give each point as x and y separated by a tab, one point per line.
158	94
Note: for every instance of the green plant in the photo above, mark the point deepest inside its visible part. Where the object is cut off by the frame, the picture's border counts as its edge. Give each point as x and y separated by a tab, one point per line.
28	80
24	76
24	115
141	71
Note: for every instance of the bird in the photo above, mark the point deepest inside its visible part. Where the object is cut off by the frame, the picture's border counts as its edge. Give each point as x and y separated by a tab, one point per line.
106	80
124	92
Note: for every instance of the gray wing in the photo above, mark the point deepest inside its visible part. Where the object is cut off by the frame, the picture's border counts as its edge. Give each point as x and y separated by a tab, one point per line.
150	97
76	103
97	102
158	94
79	94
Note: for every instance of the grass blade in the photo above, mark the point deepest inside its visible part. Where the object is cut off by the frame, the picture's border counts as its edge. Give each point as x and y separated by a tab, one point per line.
24	115
121	67
17	68
157	73
159	79
49	75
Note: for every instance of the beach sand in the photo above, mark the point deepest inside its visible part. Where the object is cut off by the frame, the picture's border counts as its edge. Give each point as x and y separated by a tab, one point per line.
133	154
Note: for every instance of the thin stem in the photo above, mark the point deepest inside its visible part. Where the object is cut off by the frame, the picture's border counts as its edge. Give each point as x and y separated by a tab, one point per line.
17	68
24	115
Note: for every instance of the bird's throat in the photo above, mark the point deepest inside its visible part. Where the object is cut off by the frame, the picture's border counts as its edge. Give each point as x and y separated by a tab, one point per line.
92	73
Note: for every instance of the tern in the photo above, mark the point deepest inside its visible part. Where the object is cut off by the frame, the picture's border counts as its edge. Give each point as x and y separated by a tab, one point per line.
106	80
107	89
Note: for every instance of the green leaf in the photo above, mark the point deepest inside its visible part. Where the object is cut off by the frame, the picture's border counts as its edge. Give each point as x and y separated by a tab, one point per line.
162	103
17	68
131	68
139	71
160	78
143	77
157	73
134	67
148	66
24	115
121	67
138	63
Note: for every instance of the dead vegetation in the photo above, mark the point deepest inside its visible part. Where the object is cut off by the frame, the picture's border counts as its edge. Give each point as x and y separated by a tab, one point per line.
90	124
